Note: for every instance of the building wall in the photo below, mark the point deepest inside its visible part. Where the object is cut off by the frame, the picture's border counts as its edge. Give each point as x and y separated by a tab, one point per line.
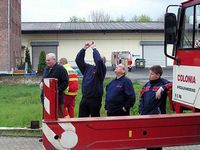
70	44
4	53
15	33
10	34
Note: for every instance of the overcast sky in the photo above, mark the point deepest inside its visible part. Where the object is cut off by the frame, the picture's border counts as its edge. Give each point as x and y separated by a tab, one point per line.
62	10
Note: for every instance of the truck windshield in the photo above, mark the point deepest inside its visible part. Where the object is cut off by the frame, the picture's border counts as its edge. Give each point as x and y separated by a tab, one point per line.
125	55
197	27
190	36
186	40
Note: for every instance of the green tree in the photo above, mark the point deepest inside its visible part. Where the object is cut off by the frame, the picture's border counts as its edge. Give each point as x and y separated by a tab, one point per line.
42	62
144	18
21	66
28	60
81	19
77	19
141	18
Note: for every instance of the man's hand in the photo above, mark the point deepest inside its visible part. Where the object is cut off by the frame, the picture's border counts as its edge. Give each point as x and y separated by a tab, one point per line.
106	111
124	109
87	45
159	93
93	45
41	85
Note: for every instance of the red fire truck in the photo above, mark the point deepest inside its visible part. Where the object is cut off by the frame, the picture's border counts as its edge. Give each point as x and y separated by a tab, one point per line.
140	131
124	57
184	34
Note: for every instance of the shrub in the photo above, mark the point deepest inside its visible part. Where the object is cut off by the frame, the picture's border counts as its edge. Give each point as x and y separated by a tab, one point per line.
21	66
27	60
42	62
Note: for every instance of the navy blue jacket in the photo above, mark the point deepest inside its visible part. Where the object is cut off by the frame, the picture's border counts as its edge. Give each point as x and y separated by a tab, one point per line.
93	76
119	94
60	73
148	102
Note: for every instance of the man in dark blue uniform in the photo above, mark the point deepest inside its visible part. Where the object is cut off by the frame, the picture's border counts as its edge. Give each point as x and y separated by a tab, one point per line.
154	94
120	95
92	84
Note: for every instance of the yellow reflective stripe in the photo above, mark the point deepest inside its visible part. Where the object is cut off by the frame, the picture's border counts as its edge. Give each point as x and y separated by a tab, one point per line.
73	79
71	93
67	116
66	90
69	69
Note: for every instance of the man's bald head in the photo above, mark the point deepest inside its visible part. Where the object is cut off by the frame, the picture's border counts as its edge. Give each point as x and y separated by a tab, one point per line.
120	70
50	59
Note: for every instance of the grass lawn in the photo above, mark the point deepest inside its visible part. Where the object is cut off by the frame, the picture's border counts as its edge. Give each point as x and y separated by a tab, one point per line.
20	104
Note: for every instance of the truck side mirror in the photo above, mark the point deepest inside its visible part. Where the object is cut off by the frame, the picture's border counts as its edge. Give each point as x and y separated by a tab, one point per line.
170	28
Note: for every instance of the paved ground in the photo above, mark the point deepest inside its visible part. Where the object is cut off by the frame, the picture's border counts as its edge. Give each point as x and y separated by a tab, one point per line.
25	143
138	74
22	143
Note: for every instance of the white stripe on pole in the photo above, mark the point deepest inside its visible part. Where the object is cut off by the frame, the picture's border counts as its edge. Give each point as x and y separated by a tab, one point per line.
50	136
47	105
46	82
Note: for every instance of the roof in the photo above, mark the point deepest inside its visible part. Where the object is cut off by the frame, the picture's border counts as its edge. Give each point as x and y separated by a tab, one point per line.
68	27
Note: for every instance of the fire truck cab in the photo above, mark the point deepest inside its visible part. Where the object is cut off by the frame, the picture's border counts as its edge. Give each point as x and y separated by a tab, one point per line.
183	31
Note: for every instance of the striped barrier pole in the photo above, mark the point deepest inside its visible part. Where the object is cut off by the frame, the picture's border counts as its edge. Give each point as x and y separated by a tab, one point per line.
56	135
50	99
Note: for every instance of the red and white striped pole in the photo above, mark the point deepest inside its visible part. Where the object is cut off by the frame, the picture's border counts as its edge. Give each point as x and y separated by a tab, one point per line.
56	134
50	107
50	99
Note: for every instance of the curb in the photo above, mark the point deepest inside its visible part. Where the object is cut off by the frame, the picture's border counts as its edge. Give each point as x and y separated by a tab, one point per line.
23	132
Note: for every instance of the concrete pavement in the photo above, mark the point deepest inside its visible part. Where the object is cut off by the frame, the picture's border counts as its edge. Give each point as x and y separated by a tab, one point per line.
20	143
28	143
141	74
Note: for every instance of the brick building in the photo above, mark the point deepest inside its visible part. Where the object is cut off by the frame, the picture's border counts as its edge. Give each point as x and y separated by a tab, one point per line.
10	34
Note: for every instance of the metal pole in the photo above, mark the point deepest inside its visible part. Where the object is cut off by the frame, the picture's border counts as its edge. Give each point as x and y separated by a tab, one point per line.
50	99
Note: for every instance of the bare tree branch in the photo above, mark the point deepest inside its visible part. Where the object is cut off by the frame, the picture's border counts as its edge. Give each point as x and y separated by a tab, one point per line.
99	16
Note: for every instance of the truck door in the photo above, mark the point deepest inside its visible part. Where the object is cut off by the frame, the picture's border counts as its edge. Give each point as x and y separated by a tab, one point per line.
186	75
